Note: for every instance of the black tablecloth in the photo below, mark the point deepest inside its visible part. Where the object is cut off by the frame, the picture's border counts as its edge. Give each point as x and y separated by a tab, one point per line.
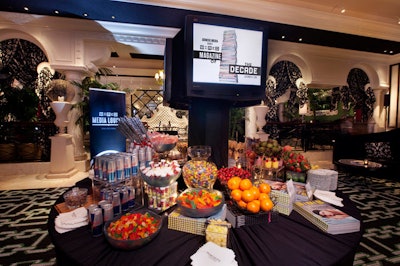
287	240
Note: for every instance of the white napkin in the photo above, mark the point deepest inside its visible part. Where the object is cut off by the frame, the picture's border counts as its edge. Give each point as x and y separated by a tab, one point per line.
68	221
329	197
211	254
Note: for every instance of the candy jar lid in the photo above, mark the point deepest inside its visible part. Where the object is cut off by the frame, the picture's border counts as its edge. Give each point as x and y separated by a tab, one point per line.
199	152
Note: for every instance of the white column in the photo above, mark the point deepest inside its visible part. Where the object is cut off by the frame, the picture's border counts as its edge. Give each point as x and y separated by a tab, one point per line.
250	123
75	130
379	114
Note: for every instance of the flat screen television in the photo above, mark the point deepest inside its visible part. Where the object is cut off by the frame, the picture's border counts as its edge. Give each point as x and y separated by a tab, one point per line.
225	59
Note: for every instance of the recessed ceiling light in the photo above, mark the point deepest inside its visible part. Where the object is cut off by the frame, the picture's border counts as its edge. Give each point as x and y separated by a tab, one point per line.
300	39
26	8
113	17
343	11
56	12
85	14
391	52
283	37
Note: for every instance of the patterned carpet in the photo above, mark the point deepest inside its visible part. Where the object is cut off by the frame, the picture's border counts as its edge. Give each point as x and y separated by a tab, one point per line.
24	238
23	226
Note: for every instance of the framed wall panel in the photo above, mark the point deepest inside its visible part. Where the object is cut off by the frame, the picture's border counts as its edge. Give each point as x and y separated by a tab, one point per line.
394	112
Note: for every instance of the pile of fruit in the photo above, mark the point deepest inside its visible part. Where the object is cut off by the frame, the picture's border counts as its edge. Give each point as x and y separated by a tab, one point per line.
225	173
269	148
200	199
249	197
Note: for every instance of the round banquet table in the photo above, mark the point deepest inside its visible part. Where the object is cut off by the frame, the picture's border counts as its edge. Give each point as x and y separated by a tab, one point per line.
287	240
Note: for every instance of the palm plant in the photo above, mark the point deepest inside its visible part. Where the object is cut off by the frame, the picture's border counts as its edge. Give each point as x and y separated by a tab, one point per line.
85	85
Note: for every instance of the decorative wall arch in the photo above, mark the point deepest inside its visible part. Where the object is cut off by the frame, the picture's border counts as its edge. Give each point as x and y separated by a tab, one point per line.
299	62
6	34
371	73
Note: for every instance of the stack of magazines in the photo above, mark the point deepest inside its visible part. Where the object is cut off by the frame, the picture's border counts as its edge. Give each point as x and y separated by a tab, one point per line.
326	217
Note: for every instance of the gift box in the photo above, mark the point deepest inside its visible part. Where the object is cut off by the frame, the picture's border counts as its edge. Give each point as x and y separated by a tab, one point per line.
281	198
197	226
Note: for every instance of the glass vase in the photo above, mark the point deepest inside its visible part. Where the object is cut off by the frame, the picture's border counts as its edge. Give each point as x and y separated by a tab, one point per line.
199	172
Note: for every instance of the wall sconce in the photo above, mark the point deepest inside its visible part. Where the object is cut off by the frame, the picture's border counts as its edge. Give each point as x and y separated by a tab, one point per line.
159	76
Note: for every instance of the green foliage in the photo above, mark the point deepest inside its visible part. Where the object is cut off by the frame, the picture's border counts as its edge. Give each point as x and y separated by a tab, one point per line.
18	104
85	85
236	124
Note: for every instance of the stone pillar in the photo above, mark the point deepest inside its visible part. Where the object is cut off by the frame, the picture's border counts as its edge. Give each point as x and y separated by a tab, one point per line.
76	130
379	114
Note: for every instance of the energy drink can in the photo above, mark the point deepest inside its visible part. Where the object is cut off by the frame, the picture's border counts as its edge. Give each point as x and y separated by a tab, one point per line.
135	164
102	202
111	170
106	194
97	168
96	216
108	212
131	197
127	166
89	209
119	162
116	202
124	196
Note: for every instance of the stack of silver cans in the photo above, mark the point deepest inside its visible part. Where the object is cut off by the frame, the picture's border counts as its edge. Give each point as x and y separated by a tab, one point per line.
116	167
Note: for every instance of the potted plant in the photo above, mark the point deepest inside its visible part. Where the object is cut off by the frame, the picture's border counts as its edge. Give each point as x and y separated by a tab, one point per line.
85	85
19	104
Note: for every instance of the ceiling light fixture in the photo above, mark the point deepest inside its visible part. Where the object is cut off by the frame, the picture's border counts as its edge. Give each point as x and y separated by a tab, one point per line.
85	14
56	12
26	8
283	37
300	39
343	11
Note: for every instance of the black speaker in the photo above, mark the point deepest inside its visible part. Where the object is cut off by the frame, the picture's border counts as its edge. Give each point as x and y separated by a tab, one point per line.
386	100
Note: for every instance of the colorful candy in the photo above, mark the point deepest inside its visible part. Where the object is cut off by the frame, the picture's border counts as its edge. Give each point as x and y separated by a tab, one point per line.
199	174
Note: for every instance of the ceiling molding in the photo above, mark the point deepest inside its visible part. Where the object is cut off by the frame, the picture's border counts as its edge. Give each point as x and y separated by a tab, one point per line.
272	11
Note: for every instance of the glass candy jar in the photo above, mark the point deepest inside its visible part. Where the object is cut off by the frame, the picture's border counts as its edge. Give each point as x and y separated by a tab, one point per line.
199	172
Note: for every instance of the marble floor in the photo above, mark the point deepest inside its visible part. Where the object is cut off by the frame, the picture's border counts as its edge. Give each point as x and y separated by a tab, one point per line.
29	180
36	181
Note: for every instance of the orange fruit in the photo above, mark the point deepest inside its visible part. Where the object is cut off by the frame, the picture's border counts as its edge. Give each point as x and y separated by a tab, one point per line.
255	192
253	207
264	188
263	196
245	184
242	204
266	205
257	201
234	182
247	195
236	194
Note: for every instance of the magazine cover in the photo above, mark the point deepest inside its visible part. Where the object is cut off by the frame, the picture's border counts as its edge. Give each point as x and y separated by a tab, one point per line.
327	217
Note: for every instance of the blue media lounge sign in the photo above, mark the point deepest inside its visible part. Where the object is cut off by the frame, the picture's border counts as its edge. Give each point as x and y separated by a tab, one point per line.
106	108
